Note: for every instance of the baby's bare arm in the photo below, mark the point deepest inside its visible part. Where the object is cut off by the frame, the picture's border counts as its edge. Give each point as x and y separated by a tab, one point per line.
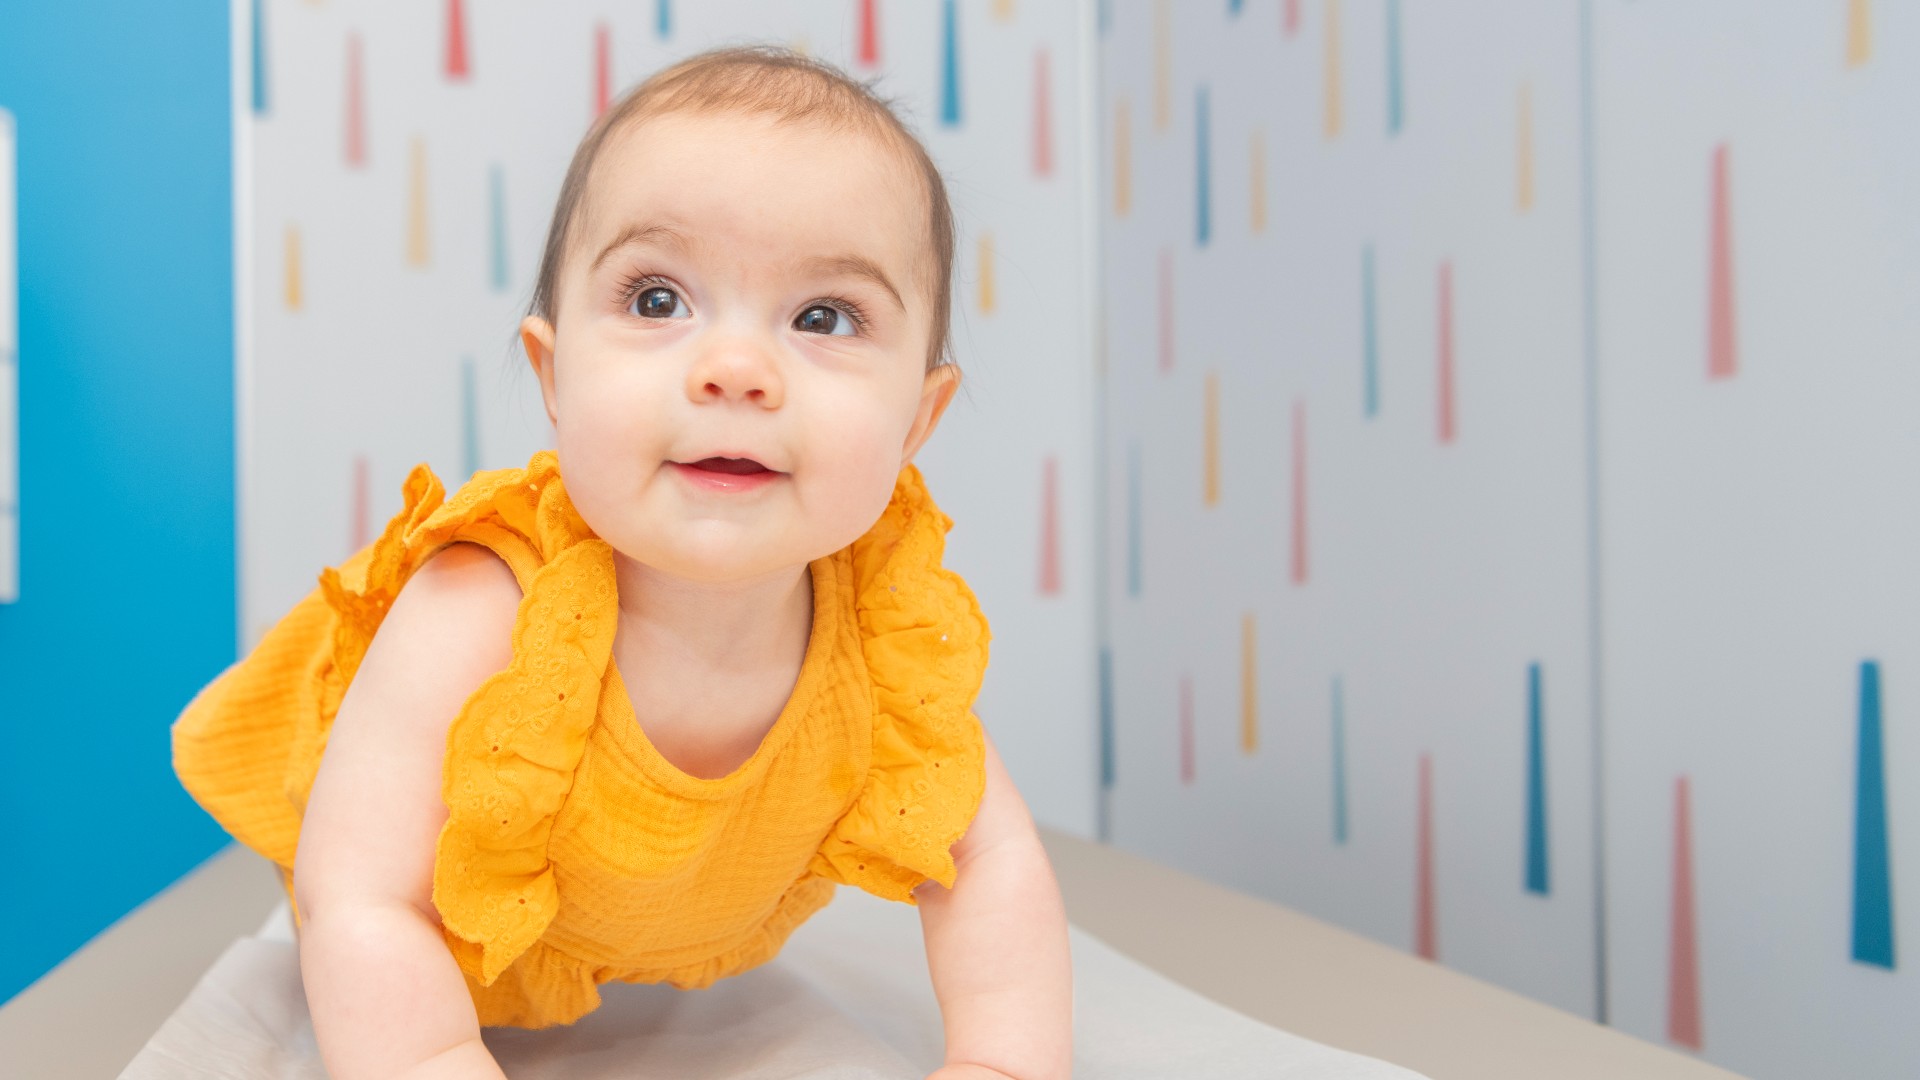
386	996
997	947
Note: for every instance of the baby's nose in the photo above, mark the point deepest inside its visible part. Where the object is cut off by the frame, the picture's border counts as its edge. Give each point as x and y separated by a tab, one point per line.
736	373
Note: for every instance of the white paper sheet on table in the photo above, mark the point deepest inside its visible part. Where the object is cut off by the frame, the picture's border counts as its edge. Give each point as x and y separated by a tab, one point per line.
848	998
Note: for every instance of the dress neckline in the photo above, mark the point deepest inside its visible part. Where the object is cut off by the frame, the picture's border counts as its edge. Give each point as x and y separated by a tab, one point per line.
624	722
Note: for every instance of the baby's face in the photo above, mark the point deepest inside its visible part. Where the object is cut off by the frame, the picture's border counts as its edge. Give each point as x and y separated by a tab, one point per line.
740	288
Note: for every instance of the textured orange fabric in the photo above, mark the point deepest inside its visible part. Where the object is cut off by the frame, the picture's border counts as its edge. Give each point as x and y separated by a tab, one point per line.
573	852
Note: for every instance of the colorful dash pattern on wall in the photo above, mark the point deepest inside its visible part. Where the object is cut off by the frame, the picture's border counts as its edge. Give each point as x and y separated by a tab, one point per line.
1872	872
1499	385
418	243
294	294
356	106
867	52
1859	32
1331	115
1683	955
1537	877
1042	117
457	40
1722	361
950	66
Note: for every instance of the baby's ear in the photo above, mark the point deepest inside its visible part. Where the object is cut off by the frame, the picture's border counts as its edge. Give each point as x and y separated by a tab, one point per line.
536	336
936	391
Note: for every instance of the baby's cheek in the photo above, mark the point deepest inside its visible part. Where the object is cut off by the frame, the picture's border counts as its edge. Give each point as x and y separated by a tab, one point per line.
858	473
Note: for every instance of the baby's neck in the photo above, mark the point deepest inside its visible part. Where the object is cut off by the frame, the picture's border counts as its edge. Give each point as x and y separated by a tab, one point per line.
740	627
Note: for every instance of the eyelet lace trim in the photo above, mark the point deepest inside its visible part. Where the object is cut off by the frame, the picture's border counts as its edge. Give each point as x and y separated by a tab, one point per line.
924	640
512	750
511	756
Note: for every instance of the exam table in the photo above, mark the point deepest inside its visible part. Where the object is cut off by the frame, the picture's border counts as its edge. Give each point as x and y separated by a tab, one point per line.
1157	954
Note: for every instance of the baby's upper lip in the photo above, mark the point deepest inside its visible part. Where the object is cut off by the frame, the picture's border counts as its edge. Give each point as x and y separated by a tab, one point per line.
737	455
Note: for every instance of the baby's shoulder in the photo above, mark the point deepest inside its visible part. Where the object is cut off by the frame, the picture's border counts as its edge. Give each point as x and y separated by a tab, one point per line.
467	568
453	617
463	580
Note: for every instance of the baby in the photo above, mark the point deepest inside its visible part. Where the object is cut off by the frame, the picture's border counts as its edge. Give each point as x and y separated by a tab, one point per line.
636	710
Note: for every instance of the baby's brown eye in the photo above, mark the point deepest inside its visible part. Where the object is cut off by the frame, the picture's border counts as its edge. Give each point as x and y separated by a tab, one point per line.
822	319
656	303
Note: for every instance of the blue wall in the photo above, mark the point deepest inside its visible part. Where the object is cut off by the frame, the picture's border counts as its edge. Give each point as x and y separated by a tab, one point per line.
126	457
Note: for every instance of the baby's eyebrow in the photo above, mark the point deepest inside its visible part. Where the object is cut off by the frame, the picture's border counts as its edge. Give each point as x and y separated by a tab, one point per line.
857	266
659	234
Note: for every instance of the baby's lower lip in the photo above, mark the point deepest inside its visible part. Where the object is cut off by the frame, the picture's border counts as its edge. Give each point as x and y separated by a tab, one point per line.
718	481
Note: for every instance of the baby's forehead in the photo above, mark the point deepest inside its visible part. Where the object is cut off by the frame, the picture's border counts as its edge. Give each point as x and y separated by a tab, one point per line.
790	177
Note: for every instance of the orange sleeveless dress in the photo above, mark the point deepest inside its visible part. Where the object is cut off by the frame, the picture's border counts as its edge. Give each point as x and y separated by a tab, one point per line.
573	852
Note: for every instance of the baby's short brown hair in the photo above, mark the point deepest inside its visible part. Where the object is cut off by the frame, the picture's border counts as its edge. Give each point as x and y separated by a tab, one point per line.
759	79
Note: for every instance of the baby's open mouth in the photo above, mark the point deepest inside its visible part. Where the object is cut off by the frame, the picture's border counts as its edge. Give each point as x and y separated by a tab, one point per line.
729	465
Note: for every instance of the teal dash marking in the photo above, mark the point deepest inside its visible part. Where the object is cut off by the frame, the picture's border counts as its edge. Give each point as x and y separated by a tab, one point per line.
949	67
1537	881
1872	874
259	59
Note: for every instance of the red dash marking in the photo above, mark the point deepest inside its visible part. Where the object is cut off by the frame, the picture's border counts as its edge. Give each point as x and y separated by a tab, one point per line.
1721	353
1042	118
1186	729
1292	15
1050	530
1425	931
1300	492
602	69
456	40
1446	351
868	54
356	106
1683	975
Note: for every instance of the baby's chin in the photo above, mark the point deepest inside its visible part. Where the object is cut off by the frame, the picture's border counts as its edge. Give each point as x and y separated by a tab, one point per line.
716	554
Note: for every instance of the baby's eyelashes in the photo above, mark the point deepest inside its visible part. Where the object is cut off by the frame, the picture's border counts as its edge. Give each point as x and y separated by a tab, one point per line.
826	319
657	302
832	316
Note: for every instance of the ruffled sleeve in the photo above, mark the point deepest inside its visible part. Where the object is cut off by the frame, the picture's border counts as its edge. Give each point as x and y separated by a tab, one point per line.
513	747
511	755
360	591
924	641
